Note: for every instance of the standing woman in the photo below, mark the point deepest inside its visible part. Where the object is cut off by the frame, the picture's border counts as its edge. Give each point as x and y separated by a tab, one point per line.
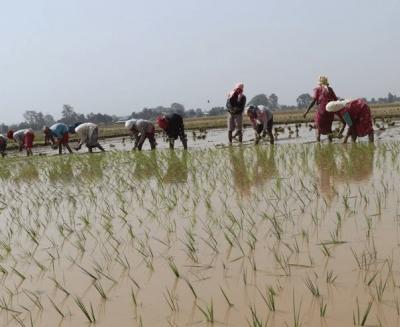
235	105
323	94
357	115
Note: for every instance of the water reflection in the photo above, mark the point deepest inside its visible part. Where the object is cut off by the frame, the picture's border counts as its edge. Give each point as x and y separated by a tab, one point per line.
92	166
265	166
61	171
338	164
240	171
146	165
177	170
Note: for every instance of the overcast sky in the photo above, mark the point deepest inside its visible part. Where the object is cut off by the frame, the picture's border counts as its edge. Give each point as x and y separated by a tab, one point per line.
118	56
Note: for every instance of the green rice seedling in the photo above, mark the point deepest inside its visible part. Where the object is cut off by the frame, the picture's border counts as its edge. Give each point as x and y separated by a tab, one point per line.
208	312
230	304
171	300
34	298
359	319
173	267
380	288
313	287
255	320
322	308
269	298
57	308
89	315
100	290
191	288
330	277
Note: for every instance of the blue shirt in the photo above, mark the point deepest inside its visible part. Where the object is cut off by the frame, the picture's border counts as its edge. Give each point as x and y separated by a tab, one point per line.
59	130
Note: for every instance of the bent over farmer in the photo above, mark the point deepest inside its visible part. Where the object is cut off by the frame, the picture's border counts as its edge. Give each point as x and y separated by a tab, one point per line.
356	114
3	145
58	135
262	120
141	130
323	94
88	135
235	105
24	138
173	126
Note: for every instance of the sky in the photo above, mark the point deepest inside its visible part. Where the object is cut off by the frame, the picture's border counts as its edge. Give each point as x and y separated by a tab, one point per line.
120	56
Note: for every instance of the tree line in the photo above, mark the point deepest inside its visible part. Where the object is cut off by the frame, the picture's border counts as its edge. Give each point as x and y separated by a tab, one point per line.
37	120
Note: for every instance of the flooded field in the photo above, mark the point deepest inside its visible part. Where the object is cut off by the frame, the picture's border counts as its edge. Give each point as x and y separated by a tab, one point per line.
287	134
296	234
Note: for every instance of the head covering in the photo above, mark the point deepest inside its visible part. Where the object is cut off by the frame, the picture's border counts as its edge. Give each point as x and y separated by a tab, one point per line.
71	128
162	122
335	106
251	111
238	86
130	123
323	80
10	134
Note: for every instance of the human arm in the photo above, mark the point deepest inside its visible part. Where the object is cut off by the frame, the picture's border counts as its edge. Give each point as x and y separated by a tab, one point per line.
313	102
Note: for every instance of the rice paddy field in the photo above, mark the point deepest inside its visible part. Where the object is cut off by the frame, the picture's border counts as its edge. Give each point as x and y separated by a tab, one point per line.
291	235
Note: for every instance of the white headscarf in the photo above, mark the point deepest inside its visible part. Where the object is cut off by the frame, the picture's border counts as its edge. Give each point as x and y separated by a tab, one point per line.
130	123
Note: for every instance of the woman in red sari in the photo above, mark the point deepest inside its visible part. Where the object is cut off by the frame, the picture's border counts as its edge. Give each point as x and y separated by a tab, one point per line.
323	94
357	115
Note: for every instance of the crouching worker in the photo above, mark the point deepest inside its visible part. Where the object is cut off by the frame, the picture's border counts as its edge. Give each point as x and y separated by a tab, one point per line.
3	145
356	115
58	135
262	120
24	138
88	135
174	128
141	130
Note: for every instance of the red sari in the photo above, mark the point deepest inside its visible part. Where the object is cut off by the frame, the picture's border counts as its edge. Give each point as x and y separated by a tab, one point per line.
324	119
360	115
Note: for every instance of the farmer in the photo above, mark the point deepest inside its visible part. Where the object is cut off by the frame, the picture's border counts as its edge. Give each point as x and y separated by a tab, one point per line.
141	130
323	119
88	135
24	138
263	120
235	105
58	135
357	115
173	126
3	145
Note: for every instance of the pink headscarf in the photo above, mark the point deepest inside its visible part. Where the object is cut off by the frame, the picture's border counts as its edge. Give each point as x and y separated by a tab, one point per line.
238	86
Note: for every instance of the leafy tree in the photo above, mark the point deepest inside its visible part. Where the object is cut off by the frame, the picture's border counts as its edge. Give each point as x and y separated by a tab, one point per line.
37	120
273	101
260	99
304	100
69	116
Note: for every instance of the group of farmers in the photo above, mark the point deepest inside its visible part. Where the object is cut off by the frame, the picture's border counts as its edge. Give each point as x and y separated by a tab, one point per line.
354	113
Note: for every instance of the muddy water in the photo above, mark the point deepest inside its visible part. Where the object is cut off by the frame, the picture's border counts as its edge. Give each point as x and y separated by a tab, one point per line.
233	221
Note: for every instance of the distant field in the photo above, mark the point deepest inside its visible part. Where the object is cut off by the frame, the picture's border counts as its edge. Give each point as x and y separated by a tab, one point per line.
284	117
